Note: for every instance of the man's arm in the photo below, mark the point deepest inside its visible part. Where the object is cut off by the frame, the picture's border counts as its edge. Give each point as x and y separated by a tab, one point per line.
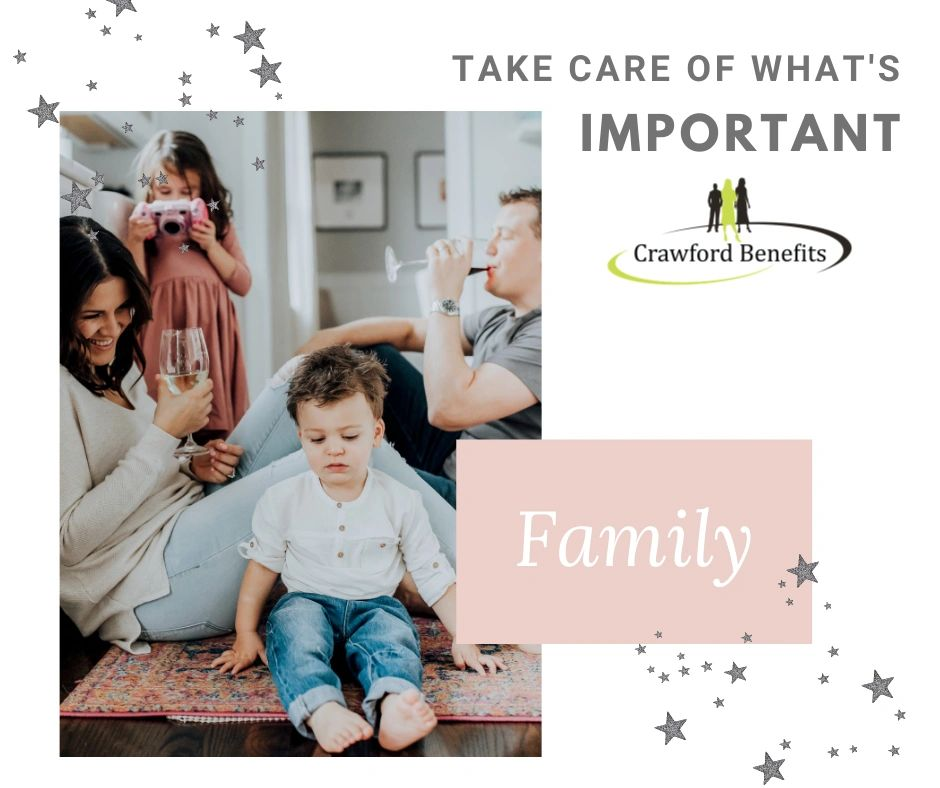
459	396
402	332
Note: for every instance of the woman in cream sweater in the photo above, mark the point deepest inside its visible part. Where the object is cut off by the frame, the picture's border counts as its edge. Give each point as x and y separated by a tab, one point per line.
148	542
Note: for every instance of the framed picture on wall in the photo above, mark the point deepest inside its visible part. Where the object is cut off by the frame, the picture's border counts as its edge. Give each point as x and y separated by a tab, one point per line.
349	191
430	190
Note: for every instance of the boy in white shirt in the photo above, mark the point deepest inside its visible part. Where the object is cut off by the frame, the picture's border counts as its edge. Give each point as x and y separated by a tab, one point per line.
342	537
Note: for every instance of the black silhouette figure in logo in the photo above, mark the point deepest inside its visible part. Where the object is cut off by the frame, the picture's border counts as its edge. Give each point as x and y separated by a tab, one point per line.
743	204
714	205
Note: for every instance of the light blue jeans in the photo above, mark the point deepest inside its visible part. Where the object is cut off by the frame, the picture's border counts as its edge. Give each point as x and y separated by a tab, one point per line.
201	557
375	637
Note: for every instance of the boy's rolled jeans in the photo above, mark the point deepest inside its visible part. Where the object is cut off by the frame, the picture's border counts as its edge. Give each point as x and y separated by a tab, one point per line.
305	630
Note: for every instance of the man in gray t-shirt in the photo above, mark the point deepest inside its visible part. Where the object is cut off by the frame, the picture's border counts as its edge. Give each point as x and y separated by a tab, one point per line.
500	395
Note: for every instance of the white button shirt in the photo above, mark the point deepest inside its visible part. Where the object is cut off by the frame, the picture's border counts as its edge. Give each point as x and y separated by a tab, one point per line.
350	550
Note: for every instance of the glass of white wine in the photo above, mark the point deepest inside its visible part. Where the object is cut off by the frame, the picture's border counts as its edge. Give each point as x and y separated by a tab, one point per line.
184	363
479	261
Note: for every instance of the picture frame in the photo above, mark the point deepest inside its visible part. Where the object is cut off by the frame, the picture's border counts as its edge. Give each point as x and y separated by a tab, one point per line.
350	191
430	190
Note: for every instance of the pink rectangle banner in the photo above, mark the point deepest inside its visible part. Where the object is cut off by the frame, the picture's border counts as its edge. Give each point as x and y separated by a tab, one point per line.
615	541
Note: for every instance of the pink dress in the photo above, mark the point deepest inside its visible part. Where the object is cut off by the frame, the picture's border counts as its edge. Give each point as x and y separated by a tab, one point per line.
187	291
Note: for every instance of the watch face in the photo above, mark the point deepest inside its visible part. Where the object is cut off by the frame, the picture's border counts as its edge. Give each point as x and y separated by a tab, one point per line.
449	306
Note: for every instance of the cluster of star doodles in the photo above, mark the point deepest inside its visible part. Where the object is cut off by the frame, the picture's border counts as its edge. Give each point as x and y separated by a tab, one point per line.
771	767
252	38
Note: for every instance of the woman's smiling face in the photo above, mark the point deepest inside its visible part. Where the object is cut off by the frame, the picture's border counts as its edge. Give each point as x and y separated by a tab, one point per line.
103	318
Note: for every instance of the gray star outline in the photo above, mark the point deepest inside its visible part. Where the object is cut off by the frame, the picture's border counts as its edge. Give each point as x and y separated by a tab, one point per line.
239	121
212	114
746	638
212	30
127	127
789	602
185	79
672	728
213	205
804	571
77	198
122	5
833	652
258	164
823	679
901	715
183	248
20	57
45	111
706	667
833	752
99	178
895	751
651	669
719	703
92	85
278	96
105	30
143	180
185	100
90	13
640	649
93	234
785	744
663	678
162	178
684	670
770	768
879	687
250	38
267	71
138	37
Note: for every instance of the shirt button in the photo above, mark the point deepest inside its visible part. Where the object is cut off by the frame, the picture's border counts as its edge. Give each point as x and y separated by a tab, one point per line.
382	545
339	554
339	505
342	528
435	564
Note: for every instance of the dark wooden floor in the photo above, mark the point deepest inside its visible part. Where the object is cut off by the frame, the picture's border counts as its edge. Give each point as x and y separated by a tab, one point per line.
159	737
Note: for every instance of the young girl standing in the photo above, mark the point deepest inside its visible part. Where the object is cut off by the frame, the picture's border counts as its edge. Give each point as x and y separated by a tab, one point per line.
190	276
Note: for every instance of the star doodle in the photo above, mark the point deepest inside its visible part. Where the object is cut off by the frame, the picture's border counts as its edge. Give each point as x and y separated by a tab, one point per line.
823	679
278	96
92	85
785	745
183	248
20	57
99	178
185	79
706	667
213	205
770	768
162	179
901	715
782	584
258	164
895	751
853	748
90	13
185	100
833	652
239	121
212	30
267	71
138	37
684	670
105	30
879	687
143	180
77	198
736	672
45	111
640	649
663	678
789	602
651	669
672	728
833	752
122	5
719	703
659	634
828	606
804	571
746	638
127	127
680	656
212	114
250	38
93	234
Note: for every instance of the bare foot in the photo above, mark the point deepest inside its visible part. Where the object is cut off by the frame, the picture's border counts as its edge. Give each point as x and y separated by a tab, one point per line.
336	727
405	719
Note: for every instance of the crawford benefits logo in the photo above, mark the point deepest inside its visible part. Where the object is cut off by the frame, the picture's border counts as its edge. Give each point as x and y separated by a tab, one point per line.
730	246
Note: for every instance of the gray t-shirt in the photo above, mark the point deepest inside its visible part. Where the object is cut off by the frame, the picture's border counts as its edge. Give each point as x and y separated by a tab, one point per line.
498	337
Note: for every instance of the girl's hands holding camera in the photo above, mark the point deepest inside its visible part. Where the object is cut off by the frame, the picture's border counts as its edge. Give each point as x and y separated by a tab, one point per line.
203	233
139	229
181	414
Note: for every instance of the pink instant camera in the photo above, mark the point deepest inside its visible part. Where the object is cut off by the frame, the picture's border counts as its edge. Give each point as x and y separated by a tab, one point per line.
173	217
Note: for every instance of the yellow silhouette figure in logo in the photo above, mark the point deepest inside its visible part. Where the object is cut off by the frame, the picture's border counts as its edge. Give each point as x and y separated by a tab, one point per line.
727	210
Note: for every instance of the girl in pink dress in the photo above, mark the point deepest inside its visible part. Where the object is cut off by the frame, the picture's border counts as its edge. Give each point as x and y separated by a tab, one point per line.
190	275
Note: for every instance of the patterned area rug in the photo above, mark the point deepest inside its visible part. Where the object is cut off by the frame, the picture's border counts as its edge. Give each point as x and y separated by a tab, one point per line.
175	681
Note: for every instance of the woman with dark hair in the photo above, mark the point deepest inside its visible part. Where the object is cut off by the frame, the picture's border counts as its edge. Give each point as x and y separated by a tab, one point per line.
148	542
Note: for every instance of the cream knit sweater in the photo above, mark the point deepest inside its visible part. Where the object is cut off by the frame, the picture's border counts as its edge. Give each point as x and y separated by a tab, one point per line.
120	492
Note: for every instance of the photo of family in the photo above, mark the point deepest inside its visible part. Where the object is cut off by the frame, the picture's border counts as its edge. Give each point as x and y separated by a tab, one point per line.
272	338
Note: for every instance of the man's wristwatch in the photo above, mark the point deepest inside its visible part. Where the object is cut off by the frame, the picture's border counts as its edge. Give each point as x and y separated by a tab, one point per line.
446	306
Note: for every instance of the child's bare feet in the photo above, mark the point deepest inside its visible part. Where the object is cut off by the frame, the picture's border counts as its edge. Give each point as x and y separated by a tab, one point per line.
405	719
336	727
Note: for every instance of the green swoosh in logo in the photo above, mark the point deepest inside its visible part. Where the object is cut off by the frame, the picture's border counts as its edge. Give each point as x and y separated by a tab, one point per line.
612	267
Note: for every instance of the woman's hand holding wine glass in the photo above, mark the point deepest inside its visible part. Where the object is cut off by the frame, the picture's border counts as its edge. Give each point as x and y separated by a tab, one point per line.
184	370
182	414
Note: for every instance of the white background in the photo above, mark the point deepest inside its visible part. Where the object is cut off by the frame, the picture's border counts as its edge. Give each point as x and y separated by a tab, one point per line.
847	358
